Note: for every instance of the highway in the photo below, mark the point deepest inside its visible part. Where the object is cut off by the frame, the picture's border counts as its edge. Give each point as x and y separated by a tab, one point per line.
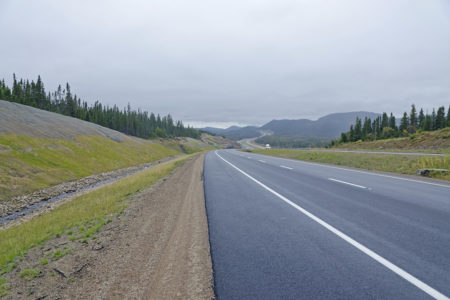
287	229
250	144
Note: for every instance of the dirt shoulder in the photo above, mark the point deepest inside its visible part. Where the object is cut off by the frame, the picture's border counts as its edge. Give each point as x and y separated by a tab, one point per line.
157	249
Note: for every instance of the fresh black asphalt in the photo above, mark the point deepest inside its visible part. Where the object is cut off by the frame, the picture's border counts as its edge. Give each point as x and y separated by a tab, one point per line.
263	248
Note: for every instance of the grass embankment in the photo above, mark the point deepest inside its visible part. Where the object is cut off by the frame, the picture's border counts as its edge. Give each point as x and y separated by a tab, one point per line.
189	145
404	164
82	217
426	141
28	164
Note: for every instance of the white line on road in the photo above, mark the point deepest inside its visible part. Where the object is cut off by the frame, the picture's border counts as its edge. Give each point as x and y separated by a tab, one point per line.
397	270
358	171
249	157
365	172
263	161
344	182
289	168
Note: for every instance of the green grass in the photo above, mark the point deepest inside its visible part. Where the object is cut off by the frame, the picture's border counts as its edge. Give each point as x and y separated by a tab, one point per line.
29	274
81	212
29	164
404	164
423	141
4	287
58	253
44	261
8	268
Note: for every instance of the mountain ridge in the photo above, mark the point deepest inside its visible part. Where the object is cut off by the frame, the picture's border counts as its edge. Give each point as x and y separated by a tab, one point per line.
329	126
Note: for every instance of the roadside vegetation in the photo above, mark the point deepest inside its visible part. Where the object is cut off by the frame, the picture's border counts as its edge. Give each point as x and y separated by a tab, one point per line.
80	218
385	127
437	141
403	164
28	164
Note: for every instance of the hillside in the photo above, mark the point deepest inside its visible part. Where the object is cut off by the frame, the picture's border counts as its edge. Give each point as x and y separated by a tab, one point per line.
39	149
235	132
427	141
327	127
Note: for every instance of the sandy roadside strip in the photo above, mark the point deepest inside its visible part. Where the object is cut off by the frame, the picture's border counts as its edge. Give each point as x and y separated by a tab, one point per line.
157	249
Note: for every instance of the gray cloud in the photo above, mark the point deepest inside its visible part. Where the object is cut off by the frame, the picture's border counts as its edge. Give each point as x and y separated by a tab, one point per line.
235	61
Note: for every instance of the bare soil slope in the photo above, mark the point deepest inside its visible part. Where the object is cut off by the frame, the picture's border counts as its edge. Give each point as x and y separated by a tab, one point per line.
157	249
29	121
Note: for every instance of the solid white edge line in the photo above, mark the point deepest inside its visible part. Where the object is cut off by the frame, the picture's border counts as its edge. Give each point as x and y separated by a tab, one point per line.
289	168
402	273
344	182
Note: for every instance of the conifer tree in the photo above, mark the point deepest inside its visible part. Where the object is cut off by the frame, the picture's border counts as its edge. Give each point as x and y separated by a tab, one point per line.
421	118
138	123
440	118
384	121
392	123
413	119
433	120
404	123
448	116
358	129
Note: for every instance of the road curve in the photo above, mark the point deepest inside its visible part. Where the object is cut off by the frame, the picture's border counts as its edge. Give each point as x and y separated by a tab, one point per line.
286	229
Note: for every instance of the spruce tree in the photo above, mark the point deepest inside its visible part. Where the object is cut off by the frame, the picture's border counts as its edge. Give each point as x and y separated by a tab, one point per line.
413	119
352	134
448	116
428	123
384	121
358	129
421	118
392	123
404	123
440	118
62	101
433	120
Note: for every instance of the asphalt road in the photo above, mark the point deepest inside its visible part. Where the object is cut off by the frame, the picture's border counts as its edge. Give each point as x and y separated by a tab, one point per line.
250	144
286	229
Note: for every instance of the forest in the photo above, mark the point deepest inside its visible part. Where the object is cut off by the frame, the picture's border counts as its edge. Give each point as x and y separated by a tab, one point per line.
63	101
385	127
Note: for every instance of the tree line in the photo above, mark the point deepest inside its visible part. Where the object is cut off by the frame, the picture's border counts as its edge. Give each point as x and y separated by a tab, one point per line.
384	126
137	123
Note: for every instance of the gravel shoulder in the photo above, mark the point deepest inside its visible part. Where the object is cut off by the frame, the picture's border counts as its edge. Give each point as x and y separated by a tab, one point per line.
157	249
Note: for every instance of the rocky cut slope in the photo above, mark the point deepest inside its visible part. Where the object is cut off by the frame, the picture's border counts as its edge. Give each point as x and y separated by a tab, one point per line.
39	149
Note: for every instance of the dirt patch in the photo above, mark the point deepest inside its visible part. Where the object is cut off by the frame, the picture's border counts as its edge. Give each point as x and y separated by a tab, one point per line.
158	248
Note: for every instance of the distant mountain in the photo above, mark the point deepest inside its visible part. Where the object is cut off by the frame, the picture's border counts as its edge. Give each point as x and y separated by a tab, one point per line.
327	127
235	132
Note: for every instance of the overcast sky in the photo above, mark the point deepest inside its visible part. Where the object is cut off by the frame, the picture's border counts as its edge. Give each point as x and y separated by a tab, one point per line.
240	61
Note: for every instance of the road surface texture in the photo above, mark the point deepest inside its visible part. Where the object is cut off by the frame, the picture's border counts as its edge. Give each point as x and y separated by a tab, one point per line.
286	229
157	249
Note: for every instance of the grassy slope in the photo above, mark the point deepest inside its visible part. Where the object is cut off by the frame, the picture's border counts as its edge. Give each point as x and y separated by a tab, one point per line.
190	145
28	164
404	164
428	141
83	216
